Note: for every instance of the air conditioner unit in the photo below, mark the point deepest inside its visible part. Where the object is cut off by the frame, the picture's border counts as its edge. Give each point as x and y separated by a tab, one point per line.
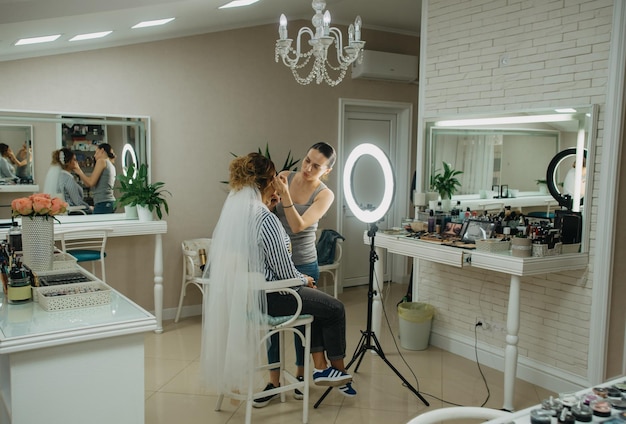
386	66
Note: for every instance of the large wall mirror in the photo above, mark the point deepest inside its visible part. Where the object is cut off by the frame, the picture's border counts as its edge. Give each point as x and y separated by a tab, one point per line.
504	158
43	133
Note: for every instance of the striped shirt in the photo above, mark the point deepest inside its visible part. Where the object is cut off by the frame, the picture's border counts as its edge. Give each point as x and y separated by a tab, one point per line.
276	249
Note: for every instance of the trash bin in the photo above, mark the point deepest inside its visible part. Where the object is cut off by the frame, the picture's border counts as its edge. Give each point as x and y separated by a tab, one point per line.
415	321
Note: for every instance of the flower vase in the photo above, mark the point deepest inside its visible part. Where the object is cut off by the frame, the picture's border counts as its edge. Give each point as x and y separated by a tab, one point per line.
38	242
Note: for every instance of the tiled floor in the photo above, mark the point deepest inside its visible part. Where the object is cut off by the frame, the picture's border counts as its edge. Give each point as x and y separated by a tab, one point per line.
174	394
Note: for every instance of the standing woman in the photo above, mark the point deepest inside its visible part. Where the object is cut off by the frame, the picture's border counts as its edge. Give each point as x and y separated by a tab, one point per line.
102	178
304	201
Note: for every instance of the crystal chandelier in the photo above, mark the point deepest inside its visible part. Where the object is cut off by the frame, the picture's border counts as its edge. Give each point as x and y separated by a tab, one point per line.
320	40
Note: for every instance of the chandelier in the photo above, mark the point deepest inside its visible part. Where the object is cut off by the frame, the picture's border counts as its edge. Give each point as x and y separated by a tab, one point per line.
320	40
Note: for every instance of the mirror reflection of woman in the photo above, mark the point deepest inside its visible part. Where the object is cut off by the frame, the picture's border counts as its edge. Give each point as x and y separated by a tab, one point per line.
102	178
7	162
66	186
24	162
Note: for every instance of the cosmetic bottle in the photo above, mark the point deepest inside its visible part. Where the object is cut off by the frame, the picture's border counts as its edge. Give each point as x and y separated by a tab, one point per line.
202	255
431	221
19	290
15	238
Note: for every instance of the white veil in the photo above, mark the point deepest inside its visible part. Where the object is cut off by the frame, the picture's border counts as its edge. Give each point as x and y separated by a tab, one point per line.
233	309
52	180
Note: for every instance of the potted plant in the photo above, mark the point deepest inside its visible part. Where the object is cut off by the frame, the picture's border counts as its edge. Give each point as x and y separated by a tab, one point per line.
543	186
136	190
446	183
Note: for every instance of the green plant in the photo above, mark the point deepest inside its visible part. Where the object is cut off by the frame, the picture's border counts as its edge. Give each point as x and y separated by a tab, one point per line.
136	190
446	183
289	163
539	182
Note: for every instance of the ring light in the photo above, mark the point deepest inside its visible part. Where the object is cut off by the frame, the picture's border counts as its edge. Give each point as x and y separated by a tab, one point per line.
551	178
374	151
128	150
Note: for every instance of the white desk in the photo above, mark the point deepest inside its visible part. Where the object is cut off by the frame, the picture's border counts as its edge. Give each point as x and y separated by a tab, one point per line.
505	263
73	366
123	227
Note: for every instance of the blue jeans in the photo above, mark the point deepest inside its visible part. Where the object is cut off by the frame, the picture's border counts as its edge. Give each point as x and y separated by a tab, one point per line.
312	270
104	207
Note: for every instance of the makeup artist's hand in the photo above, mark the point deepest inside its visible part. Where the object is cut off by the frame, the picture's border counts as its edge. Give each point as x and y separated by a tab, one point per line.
281	185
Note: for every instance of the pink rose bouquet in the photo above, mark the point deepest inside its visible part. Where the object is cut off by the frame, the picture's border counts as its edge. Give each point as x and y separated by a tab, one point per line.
38	204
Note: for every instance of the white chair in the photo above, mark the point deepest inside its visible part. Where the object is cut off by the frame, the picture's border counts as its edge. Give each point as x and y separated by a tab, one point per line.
192	274
280	326
457	413
333	269
86	245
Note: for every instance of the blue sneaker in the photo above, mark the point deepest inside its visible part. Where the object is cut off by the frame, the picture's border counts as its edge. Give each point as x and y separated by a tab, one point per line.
331	377
347	390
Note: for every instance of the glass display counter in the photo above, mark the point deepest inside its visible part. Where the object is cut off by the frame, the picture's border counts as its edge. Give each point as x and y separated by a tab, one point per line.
74	365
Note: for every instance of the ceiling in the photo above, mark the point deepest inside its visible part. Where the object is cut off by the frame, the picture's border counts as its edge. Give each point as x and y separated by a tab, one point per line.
32	18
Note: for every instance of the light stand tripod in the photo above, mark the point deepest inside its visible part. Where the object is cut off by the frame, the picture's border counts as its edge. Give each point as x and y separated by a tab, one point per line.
368	335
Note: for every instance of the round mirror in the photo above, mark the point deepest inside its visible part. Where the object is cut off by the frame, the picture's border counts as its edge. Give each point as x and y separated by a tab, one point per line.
561	177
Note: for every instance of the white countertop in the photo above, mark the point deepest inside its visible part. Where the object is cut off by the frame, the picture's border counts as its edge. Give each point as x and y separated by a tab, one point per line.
27	326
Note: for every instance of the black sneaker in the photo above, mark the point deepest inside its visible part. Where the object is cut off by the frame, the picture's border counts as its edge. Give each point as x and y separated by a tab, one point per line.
264	401
297	394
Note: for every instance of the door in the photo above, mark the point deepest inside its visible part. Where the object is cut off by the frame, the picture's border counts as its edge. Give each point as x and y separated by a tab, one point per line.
388	128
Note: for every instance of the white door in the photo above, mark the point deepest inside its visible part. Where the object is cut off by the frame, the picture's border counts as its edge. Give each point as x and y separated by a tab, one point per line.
384	127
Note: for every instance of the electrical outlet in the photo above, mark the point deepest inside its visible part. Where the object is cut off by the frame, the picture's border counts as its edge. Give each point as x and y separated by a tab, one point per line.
483	323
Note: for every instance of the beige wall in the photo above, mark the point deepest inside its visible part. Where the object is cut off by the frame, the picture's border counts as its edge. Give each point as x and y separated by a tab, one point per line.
557	56
207	96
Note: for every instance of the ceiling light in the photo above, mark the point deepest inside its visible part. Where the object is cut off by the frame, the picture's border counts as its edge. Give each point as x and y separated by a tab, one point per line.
156	22
35	40
238	3
527	119
320	40
90	36
565	110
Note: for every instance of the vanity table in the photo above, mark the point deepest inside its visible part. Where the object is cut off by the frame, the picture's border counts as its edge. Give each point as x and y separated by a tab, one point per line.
73	366
124	227
505	263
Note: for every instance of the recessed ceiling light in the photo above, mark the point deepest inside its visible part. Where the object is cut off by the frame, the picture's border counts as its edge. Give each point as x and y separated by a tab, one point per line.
238	3
156	22
90	36
35	40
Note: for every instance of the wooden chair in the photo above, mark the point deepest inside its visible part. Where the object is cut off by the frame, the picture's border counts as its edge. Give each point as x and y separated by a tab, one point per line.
280	326
86	245
192	273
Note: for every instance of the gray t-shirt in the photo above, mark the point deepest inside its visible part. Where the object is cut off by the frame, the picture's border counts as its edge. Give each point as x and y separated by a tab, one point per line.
303	243
104	187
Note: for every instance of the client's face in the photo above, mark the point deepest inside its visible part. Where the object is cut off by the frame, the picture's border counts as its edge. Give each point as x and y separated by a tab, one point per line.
269	193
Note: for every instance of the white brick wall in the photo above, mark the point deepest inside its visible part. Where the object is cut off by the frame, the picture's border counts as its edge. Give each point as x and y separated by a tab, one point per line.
557	56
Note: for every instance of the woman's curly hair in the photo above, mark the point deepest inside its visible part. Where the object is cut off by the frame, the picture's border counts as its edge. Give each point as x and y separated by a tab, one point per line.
254	169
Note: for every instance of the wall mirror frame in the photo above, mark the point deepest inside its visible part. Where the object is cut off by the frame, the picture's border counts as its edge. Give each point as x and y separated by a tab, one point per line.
513	150
129	135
